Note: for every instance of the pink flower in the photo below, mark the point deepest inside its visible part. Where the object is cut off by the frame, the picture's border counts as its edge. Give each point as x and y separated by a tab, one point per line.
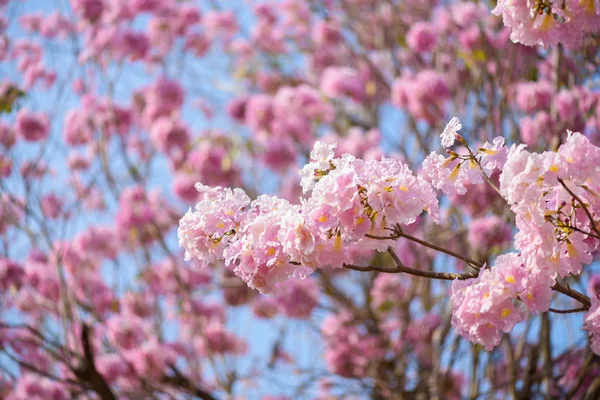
142	216
592	324
279	155
127	331
223	22
99	242
449	175
111	366
530	183
349	351
151	359
11	274
422	37
483	308
202	232
326	33
218	340
594	285
534	96
133	45
298	298
78	162
450	132
79	127
237	108
211	162
141	6
555	23
34	387
485	233
170	136
161	99
51	206
32	127
343	82
265	307
184	187
422	95
259	112
387	292
198	43
296	110
90	10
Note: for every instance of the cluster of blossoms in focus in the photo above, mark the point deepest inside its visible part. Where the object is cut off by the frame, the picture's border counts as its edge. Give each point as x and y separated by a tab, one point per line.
540	22
270	240
353	203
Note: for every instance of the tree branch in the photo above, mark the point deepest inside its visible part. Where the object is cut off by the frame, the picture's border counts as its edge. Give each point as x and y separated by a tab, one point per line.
88	372
582	204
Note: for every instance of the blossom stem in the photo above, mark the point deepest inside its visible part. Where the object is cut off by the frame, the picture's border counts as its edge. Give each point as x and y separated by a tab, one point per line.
447	276
582	204
580	297
572	310
399	234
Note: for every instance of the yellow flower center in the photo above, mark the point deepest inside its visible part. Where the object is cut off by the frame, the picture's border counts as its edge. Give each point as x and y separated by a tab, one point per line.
371	88
529	296
337	244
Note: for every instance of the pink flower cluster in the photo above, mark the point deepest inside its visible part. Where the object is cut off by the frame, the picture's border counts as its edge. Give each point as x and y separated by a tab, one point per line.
554	198
484	307
592	324
454	174
31	126
34	387
423	95
96	115
551	222
485	233
283	121
388	291
270	240
142	215
547	23
350	350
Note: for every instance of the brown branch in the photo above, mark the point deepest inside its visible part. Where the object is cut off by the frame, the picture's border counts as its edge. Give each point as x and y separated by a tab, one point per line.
401	268
573	310
581	375
545	343
88	372
574	294
587	212
179	380
584	232
398	233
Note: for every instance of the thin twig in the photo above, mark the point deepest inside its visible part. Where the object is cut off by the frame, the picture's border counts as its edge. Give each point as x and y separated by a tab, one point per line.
587	212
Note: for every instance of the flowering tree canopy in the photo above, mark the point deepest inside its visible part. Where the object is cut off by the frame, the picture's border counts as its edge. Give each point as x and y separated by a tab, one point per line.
389	199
